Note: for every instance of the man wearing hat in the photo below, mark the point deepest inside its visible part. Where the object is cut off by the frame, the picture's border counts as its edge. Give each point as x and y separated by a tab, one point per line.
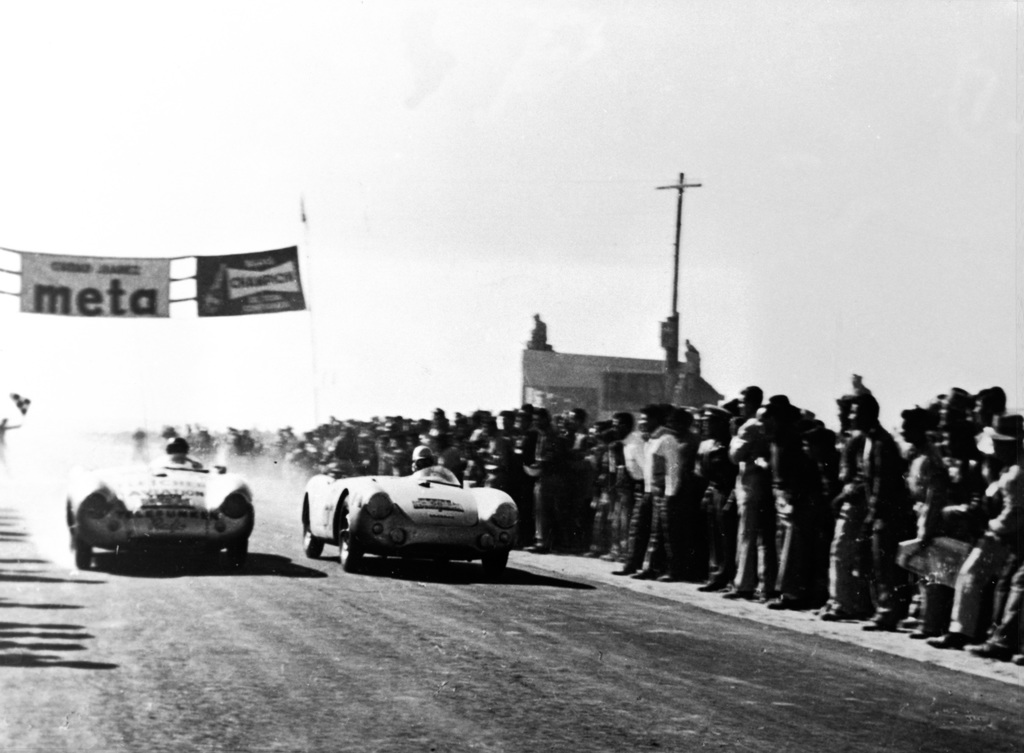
929	486
718	505
1003	538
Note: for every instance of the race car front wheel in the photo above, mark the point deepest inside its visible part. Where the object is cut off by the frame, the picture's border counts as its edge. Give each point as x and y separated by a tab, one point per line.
349	553
312	545
82	552
494	564
237	554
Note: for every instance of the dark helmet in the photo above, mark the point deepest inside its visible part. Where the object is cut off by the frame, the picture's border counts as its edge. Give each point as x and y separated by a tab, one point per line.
177	446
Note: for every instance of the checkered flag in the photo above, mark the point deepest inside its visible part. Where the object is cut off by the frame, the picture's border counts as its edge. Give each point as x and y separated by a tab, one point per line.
21	402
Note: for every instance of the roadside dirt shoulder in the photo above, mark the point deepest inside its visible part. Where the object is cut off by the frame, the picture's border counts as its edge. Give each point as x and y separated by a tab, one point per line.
898	644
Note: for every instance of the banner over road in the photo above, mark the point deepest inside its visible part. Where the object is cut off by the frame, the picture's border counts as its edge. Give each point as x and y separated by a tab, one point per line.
94	286
264	282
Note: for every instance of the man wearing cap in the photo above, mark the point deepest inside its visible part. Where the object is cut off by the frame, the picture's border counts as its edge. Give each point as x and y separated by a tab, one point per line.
1003	538
720	520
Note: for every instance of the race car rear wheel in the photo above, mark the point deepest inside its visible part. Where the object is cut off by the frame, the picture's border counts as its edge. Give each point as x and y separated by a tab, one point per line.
82	552
349	554
312	545
494	564
237	554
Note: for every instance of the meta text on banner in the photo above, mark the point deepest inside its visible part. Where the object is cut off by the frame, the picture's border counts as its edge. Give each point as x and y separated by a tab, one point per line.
94	286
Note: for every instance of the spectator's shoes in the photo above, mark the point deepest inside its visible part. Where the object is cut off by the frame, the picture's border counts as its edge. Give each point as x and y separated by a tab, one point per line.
991	651
592	554
747	595
887	626
920	635
835	615
1018	659
538	549
625	571
644	575
785	602
609	558
711	587
949	640
668	579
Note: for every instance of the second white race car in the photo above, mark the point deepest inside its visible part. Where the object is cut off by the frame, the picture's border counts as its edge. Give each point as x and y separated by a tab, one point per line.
426	515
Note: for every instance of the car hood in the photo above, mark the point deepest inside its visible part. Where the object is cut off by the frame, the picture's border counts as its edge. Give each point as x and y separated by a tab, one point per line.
429	502
139	487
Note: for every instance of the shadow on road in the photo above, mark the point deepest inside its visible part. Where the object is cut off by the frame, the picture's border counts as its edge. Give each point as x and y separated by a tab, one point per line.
8	576
43	651
177	564
17	605
458	573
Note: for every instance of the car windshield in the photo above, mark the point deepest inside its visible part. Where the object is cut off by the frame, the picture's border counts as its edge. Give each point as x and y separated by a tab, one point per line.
437	473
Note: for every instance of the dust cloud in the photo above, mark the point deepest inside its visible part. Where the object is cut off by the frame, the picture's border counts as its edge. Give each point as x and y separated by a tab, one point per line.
39	466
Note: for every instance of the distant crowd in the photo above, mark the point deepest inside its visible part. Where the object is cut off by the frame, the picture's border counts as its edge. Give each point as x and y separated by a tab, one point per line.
753	498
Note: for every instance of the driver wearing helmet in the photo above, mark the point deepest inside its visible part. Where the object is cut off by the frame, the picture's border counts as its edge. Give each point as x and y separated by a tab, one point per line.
422	457
177	454
424	466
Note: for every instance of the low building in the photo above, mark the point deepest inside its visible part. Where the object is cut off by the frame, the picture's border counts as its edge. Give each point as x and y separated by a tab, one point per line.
604	385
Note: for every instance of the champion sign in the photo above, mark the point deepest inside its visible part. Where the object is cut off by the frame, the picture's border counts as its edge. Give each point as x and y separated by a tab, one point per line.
94	286
259	283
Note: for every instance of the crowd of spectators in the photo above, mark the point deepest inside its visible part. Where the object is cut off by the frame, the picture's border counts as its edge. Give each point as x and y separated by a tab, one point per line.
756	499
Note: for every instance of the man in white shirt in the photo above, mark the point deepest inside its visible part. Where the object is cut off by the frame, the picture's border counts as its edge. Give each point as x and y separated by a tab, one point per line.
651	418
665	553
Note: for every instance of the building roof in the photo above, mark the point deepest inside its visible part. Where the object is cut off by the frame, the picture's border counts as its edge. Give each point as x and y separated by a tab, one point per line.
549	369
546	367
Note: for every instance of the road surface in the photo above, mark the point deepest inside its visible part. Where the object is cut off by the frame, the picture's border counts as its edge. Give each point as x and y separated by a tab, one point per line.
293	654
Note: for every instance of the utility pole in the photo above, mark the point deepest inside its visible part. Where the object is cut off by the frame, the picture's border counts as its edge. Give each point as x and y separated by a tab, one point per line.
670	327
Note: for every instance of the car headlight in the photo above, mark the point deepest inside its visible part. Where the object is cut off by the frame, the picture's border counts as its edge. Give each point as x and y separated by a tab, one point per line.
379	506
235	506
95	506
506	515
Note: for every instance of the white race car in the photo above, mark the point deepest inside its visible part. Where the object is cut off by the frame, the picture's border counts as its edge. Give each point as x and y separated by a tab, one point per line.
162	504
426	515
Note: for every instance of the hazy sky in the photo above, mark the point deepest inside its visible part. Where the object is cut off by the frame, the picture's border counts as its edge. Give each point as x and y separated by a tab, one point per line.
468	164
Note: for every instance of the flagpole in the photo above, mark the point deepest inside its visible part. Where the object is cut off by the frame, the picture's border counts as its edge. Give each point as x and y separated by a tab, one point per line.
307	288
